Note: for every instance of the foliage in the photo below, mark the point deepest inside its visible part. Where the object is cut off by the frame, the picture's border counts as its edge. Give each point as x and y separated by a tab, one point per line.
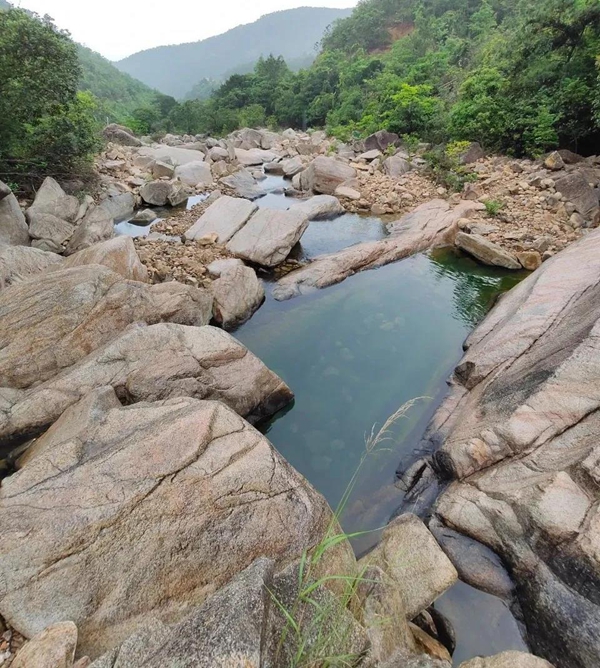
46	127
444	166
493	207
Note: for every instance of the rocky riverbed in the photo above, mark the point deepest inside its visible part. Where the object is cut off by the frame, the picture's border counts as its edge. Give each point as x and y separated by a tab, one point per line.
146	522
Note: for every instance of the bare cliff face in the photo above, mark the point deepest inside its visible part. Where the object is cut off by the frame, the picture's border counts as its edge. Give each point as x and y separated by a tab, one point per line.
519	435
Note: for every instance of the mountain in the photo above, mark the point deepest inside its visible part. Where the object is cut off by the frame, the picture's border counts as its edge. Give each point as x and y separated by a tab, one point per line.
175	70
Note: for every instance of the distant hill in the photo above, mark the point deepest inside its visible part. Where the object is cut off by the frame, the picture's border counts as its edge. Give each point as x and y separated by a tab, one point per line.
175	70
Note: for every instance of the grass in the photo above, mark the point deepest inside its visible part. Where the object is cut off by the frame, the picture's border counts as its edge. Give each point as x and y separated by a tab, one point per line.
318	624
493	207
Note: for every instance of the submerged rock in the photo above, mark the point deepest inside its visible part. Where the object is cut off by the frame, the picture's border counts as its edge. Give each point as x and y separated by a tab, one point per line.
107	488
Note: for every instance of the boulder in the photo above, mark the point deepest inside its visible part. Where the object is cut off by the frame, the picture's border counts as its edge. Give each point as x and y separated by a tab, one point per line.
194	174
152	363
180	193
218	153
226	216
346	192
569	157
161	169
218	267
485	251
86	508
396	166
429	225
472	154
54	647
13	226
156	192
371	155
172	154
17	263
118	254
254	156
507	660
119	206
319	207
52	231
243	184
144	217
59	319
118	134
554	162
324	175
578	191
379	141
292	166
97	226
269	236
238	294
530	260
52	199
411	557
274	168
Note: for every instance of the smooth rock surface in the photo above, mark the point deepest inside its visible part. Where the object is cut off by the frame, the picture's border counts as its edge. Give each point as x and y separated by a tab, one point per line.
485	251
396	166
238	294
97	226
156	192
243	184
117	254
269	236
224	217
319	207
429	225
52	199
111	489
54	647
17	263
13	226
324	175
194	174
508	660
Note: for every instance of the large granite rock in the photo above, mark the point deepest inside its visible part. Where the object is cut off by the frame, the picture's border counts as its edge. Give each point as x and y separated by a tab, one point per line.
194	174
54	647
577	190
151	364
507	660
119	134
485	251
13	226
320	207
238	294
49	232
118	254
17	263
52	199
410	556
292	166
224	217
324	175
193	514
173	154
254	156
381	140
156	193
243	184
269	236
432	224
97	226
119	205
396	166
52	323
519	431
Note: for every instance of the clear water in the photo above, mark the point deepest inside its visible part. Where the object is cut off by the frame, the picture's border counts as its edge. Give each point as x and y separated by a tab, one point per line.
129	229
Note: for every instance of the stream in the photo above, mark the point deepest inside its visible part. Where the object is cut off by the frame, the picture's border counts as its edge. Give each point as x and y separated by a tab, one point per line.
353	354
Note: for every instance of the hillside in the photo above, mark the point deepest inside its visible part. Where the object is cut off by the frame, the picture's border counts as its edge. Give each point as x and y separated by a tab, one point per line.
175	70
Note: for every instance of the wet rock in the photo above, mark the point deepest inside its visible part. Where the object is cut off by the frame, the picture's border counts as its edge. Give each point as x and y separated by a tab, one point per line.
52	199
156	192
319	207
194	174
17	263
243	184
508	660
225	217
396	166
97	226
117	254
409	554
54	647
486	251
324	175
577	190
238	294
269	236
554	162
155	511
118	134
432	224
13	226
381	140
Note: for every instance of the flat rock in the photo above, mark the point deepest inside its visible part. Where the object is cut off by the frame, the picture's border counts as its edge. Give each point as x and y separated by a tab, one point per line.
485	251
194	174
243	184
254	156
324	175
429	225
238	294
269	236
152	363
110	488
60	318
18	263
54	647
52	199
373	154
319	207
118	254
409	554
97	226
507	660
224	217
174	154
13	226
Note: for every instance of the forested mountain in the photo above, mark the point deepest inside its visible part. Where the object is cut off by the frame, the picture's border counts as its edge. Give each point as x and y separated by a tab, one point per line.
517	76
175	70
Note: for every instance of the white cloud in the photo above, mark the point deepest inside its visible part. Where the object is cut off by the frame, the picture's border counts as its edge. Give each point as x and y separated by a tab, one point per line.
117	28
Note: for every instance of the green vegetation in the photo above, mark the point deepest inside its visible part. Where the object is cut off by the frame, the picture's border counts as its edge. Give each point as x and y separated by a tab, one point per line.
519	78
46	126
493	207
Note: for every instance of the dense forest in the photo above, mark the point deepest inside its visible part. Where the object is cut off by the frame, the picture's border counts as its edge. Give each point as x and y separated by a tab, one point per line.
517	76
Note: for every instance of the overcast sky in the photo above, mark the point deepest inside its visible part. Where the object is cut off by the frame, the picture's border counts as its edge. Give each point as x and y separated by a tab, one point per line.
118	28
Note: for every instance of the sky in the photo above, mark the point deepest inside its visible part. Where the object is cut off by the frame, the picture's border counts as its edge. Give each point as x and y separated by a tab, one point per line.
118	28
